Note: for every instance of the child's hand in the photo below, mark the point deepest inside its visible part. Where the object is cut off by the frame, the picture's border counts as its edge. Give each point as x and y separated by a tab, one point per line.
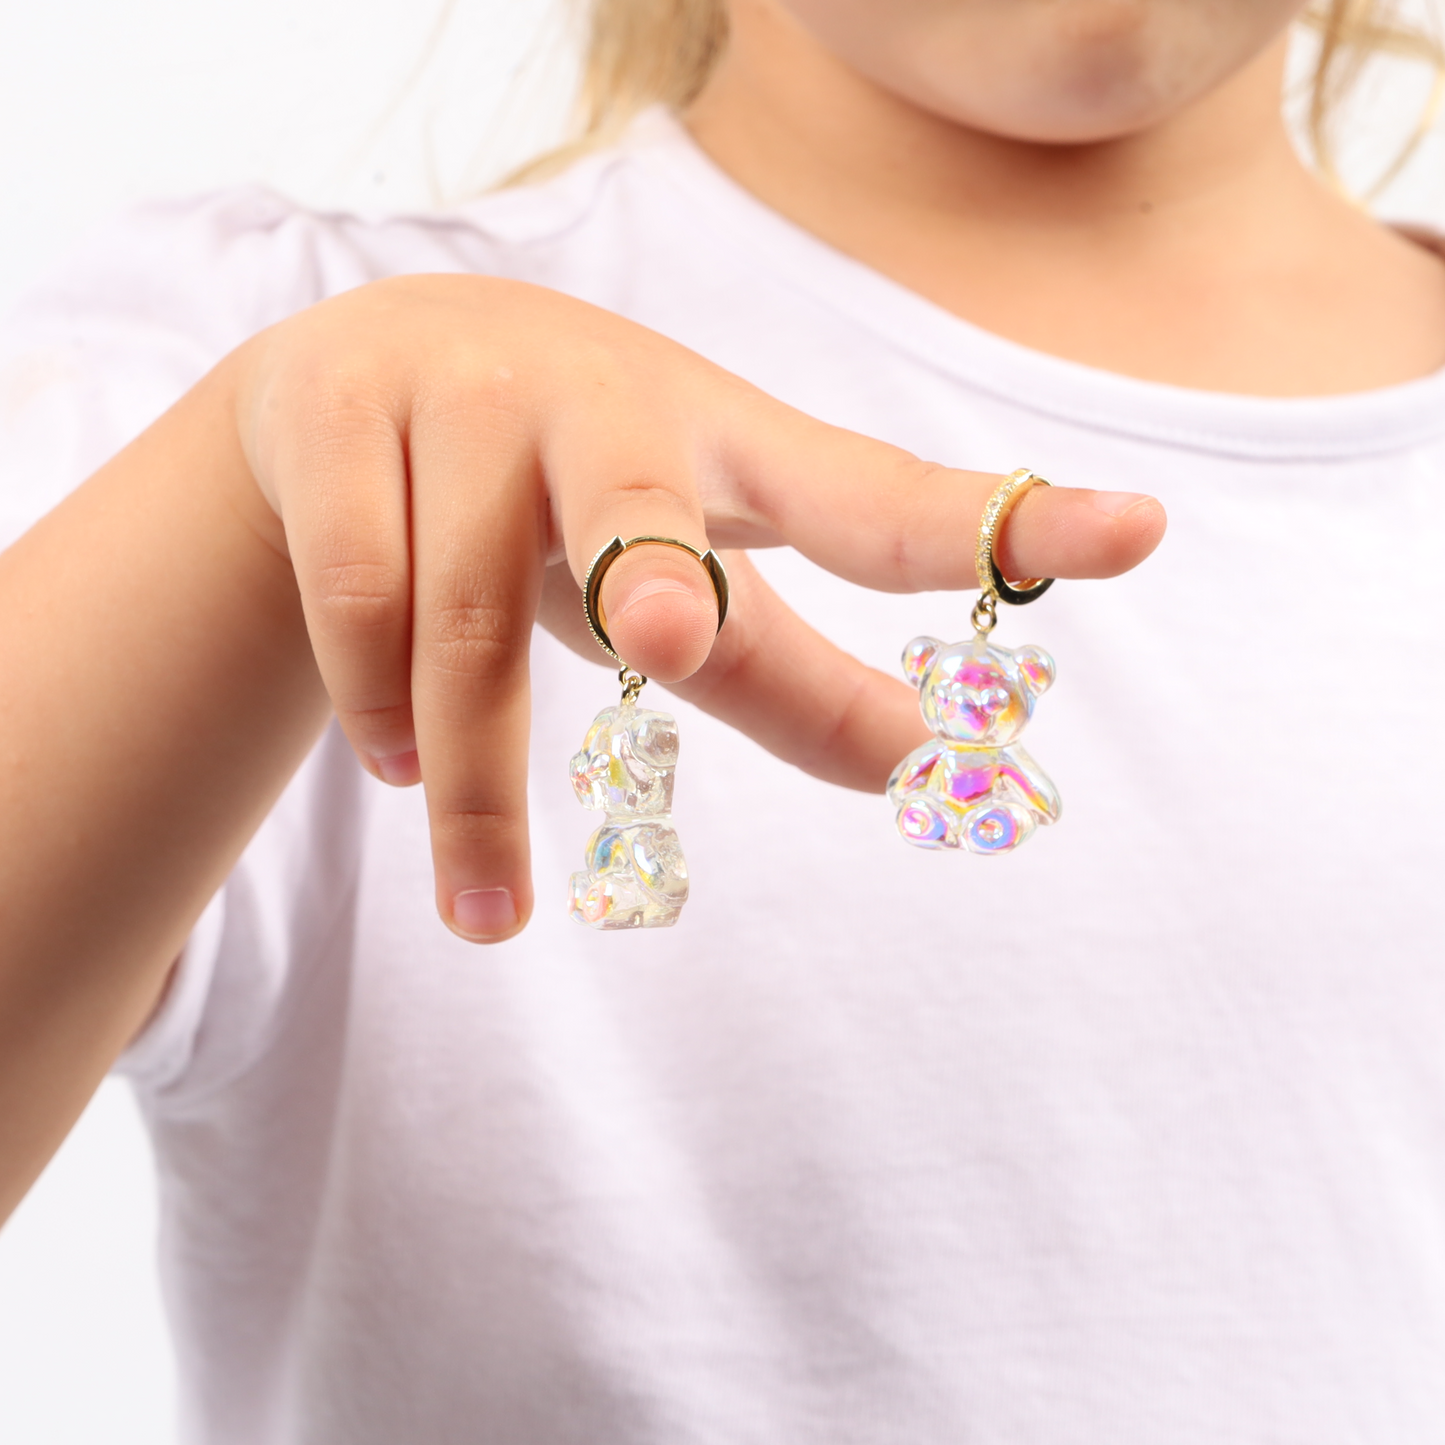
431	444
424	448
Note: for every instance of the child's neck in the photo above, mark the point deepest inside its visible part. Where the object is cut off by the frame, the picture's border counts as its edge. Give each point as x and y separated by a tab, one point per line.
1200	252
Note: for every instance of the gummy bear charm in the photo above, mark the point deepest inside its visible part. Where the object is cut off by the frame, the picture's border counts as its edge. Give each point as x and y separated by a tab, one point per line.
636	876
973	786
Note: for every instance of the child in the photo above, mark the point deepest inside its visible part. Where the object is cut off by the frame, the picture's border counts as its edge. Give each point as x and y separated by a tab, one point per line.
1137	1134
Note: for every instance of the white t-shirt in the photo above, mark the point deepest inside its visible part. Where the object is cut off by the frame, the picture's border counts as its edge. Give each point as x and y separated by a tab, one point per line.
1136	1135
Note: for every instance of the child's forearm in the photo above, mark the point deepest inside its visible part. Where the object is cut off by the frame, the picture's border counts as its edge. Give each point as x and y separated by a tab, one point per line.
158	690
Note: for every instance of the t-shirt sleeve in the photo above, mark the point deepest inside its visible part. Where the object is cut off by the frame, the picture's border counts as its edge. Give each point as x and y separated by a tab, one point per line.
282	914
98	351
119	331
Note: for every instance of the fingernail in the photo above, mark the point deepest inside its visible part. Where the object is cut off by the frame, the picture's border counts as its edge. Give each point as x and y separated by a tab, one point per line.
484	912
651	588
400	771
1115	504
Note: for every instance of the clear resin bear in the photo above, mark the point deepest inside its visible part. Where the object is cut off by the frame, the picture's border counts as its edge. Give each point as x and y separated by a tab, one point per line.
636	876
973	787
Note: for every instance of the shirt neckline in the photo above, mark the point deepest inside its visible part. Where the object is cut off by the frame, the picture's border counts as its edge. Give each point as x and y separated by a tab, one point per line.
1318	428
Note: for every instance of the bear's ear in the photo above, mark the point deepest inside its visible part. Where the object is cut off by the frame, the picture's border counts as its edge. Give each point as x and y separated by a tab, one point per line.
918	658
1036	668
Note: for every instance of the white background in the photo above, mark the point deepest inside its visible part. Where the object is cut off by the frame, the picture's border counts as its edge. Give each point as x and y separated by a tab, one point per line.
367	104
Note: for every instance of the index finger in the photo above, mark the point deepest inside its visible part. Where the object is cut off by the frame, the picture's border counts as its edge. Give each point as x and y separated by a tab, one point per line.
880	516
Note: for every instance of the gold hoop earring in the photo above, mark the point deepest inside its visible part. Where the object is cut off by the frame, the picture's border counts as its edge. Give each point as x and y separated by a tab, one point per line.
635	875
973	786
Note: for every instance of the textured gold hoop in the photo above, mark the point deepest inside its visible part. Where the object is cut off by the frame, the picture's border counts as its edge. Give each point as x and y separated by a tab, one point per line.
592	586
990	580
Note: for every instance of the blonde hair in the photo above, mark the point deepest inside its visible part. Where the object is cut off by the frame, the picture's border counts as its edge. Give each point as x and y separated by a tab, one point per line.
640	53
1351	33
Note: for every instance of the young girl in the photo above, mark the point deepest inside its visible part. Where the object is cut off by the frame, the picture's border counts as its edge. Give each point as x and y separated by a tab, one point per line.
1135	1134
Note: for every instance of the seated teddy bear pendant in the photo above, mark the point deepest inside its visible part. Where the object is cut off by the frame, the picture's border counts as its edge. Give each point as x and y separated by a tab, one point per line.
636	876
973	786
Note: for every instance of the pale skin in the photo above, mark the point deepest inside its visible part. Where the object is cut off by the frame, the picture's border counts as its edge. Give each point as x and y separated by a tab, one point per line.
1181	197
365	508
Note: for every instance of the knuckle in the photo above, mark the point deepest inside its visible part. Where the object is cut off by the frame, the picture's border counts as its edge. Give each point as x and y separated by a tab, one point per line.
466	380
329	424
601	356
473	638
380	720
469	819
357	597
321	407
908	522
327	389
643	488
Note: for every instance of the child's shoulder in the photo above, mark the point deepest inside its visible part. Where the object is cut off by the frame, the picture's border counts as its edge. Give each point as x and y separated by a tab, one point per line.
221	266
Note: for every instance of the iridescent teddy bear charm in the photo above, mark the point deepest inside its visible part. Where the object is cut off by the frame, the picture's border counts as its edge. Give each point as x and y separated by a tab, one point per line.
635	874
973	786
